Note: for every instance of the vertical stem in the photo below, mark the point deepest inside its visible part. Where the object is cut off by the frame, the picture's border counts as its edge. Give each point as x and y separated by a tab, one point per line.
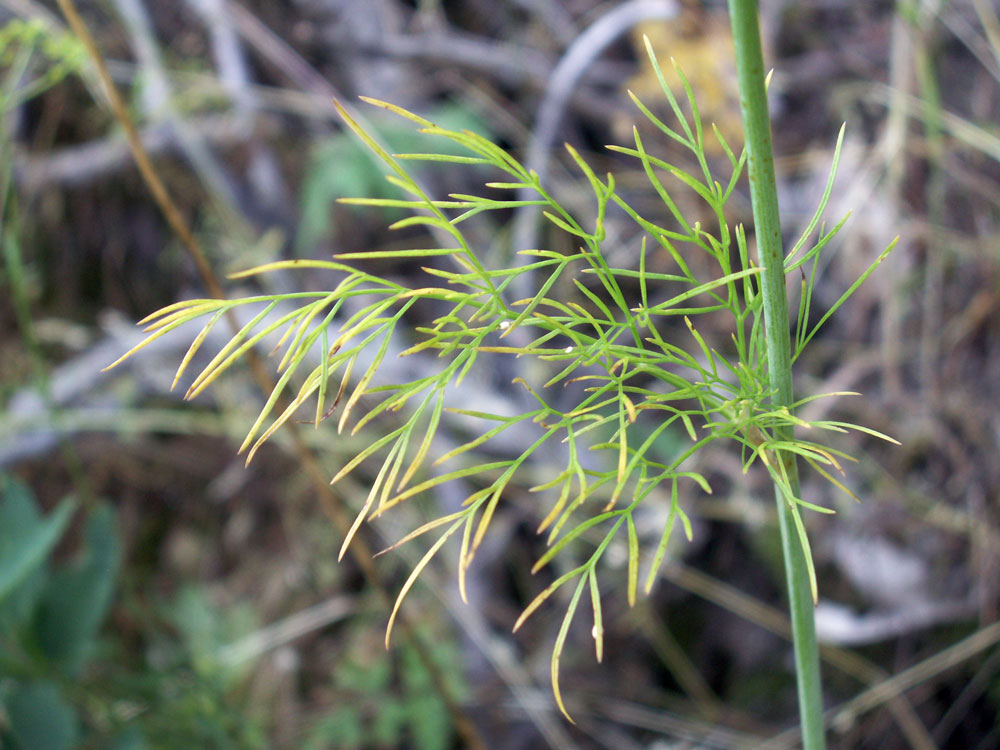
764	196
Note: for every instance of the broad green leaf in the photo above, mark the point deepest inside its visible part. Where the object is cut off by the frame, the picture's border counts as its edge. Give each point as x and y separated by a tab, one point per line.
25	538
40	718
77	597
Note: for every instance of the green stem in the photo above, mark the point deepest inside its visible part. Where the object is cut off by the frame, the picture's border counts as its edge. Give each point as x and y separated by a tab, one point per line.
767	223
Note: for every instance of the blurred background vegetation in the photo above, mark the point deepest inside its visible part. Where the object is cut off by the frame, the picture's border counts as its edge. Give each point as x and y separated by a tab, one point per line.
154	593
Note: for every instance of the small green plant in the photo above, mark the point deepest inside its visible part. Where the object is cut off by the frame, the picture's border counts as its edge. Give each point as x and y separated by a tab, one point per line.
61	686
49	617
386	702
20	40
606	336
186	694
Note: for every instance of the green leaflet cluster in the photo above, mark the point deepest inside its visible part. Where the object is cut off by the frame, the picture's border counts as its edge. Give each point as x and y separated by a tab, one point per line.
63	53
604	339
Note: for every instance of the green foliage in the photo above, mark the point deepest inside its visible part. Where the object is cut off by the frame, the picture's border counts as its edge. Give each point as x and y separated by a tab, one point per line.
41	717
57	688
388	702
605	335
27	538
189	695
78	595
49	616
205	628
63	53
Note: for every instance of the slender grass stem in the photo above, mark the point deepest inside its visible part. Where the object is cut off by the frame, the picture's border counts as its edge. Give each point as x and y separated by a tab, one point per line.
767	223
